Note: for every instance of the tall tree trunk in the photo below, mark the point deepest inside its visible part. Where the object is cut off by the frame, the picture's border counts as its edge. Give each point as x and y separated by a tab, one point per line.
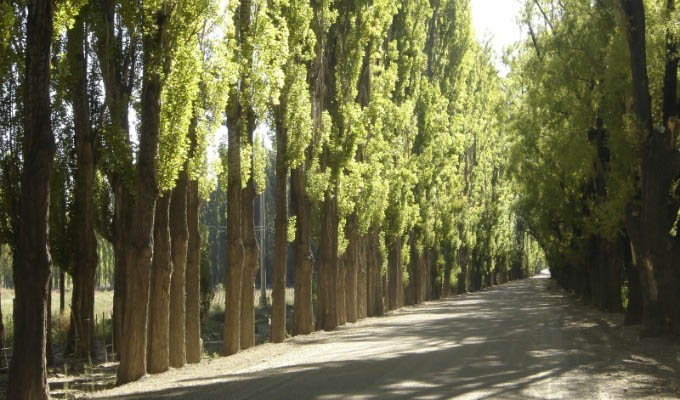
250	245
179	235
394	280
278	326
634	308
610	276
660	164
327	315
193	276
235	249
192	305
49	355
85	266
376	261
138	256
240	121
446	280
340	279
250	264
62	290
425	275
432	269
370	277
158	348
414	268
31	261
362	277
351	259
121	222
303	314
117	76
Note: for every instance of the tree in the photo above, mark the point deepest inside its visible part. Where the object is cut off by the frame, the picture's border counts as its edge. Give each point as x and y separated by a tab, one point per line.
259	82
117	45
656	212
158	325
236	114
85	257
307	181
292	117
31	262
138	257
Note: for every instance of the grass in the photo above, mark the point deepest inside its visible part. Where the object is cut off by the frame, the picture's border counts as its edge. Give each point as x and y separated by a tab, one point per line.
217	303
103	304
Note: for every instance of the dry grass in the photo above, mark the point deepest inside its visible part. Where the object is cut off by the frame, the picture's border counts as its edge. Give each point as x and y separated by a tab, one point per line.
103	305
217	303
103	302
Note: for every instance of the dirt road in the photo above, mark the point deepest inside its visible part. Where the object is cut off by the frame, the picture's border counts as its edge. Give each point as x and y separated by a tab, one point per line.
520	340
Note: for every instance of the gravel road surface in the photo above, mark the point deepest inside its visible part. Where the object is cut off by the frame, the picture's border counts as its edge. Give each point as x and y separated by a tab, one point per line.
522	340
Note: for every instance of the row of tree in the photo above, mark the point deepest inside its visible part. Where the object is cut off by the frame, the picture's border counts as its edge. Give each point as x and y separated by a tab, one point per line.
595	108
389	123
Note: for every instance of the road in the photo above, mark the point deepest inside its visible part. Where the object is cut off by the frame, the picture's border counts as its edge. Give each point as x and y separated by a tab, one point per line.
523	340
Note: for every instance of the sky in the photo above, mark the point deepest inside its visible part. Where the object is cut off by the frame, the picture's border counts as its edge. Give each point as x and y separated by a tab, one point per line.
497	19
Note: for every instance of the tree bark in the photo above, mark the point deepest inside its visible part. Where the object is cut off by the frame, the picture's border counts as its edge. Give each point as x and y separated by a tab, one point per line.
327	315
62	290
235	249
659	168
239	121
179	236
193	276
351	259
85	265
375	260
425	276
446	279
303	314
31	262
340	279
121	223
278	325
670	86
431	261
610	276
395	287
49	355
362	277
158	348
370	278
415	267
250	264
117	76
139	253
634	308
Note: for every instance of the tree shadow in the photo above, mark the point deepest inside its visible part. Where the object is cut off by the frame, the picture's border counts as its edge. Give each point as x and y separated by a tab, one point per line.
518	340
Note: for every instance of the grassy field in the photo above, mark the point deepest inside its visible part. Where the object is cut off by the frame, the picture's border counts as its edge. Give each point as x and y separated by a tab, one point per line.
217	303
103	305
103	302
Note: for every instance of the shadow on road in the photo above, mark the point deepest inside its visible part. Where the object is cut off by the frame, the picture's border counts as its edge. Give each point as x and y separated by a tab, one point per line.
519	340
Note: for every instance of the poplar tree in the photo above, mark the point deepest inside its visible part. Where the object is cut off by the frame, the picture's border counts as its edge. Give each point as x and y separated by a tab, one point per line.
31	261
292	119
